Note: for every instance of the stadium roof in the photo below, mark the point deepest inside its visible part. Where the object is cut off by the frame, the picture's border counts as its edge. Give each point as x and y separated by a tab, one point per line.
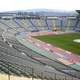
44	12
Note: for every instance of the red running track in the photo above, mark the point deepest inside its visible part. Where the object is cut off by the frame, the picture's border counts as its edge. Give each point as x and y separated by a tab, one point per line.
64	56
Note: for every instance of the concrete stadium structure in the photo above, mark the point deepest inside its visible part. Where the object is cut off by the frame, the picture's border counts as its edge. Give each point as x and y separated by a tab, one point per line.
18	62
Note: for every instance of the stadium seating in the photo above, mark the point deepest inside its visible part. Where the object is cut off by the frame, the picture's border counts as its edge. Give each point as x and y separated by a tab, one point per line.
19	62
52	24
39	24
3	25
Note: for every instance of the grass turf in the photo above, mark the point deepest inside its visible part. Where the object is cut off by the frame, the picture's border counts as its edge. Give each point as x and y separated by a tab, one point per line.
64	41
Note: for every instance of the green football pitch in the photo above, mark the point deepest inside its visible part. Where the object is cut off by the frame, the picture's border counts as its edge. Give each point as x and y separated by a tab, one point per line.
64	41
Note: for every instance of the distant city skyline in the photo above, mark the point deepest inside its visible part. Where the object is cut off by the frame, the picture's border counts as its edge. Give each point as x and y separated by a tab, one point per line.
66	5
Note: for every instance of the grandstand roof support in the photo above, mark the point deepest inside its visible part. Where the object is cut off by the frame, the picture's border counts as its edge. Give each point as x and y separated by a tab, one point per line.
77	20
76	24
61	24
47	24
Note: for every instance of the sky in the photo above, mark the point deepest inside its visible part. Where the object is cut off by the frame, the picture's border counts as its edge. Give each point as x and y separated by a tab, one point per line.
11	5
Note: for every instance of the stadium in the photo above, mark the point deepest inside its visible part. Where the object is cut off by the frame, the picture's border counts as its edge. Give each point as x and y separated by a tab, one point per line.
40	45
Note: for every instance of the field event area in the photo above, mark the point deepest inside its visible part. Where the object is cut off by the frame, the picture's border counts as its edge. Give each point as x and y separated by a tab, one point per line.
64	41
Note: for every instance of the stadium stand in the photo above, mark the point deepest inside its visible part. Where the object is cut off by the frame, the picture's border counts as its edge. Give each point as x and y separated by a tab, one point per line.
39	24
19	62
52	24
33	25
